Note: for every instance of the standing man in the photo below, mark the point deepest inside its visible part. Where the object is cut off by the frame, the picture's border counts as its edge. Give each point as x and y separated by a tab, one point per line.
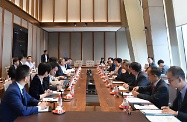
16	101
176	79
45	57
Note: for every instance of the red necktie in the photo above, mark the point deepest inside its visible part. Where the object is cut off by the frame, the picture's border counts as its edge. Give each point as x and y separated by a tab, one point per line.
153	88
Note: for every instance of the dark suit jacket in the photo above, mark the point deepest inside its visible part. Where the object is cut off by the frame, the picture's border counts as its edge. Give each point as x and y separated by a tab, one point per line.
12	71
60	72
43	58
36	88
111	68
13	105
126	77
182	112
46	84
68	66
159	97
140	81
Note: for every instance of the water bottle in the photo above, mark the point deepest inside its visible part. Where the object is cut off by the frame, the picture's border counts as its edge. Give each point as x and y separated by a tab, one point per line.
59	100
126	106
116	91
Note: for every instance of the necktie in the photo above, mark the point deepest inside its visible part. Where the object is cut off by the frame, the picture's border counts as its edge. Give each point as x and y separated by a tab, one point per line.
153	88
179	100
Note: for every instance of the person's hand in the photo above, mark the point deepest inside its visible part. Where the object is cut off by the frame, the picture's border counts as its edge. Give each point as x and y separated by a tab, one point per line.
43	105
135	88
126	85
114	76
48	92
123	70
135	93
167	110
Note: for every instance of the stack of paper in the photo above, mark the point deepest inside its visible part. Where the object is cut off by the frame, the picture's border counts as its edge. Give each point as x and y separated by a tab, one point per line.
162	119
137	100
44	110
150	107
127	94
122	88
118	82
154	113
50	99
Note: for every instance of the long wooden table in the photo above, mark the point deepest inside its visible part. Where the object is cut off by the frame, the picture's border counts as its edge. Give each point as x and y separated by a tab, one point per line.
76	109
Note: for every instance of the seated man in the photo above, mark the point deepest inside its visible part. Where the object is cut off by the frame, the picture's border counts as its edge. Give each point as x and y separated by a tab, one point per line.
118	69
16	101
140	77
111	65
176	79
126	76
163	68
158	89
12	69
48	82
36	89
30	63
61	68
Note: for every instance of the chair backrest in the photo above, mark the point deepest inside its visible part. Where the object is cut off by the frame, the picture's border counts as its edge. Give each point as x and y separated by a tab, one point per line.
89	63
78	63
7	83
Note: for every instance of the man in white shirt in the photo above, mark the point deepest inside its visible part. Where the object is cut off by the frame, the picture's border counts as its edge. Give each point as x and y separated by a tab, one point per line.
30	63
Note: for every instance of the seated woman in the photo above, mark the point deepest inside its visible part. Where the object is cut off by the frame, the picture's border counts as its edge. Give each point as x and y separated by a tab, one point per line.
102	62
36	89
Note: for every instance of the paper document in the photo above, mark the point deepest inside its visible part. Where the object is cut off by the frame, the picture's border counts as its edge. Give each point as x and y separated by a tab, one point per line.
127	94
50	99
162	119
150	107
137	100
154	113
57	92
122	88
116	82
44	110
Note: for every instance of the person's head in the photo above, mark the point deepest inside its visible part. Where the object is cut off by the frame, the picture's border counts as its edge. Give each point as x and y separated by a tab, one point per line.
110	58
153	73
44	69
117	61
16	61
176	77
22	74
102	59
70	60
150	59
66	60
54	68
29	58
135	68
45	52
126	65
53	59
21	58
62	61
160	63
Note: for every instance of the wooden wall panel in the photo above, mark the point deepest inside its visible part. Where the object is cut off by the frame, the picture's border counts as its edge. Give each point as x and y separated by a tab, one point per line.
30	32
47	10
122	45
7	41
73	10
42	43
64	44
46	40
17	20
38	52
87	46
24	23
24	5
1	39
114	11
53	44
34	44
60	10
98	45
86	10
17	2
76	46
100	10
110	44
30	6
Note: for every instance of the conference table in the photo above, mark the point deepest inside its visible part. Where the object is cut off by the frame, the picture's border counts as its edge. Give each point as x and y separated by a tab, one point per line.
106	109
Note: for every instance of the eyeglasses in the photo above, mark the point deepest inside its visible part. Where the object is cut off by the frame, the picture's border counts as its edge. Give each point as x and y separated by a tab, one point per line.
171	80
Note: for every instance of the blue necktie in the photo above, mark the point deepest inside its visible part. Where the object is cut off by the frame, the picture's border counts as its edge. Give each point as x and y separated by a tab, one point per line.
179	100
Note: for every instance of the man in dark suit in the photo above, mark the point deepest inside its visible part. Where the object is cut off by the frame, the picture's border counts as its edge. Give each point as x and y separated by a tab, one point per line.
158	89
176	79
140	77
12	69
111	64
45	57
16	101
21	60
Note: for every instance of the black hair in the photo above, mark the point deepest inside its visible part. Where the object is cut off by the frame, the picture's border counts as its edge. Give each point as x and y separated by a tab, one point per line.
29	57
22	72
66	59
45	51
177	72
20	58
43	68
150	57
119	60
15	60
160	61
53	65
136	66
155	71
